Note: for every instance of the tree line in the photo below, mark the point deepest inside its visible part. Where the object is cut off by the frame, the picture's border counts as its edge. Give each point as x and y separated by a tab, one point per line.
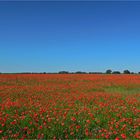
109	71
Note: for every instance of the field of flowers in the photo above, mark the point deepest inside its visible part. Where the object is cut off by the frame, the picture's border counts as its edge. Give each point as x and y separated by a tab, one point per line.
67	106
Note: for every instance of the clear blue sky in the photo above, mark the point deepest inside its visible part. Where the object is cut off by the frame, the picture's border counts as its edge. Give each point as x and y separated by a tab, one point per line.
54	36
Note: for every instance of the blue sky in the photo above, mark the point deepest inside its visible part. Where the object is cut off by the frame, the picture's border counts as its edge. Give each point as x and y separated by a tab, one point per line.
54	36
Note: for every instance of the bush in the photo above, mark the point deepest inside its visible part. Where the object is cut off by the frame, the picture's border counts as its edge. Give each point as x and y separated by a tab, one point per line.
126	72
116	72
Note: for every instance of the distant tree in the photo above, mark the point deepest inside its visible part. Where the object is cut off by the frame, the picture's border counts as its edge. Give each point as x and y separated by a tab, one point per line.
95	73
63	72
80	72
138	72
108	71
91	72
116	72
132	73
126	72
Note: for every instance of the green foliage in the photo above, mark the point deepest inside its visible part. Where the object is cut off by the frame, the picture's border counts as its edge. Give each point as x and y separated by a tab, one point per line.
109	71
126	72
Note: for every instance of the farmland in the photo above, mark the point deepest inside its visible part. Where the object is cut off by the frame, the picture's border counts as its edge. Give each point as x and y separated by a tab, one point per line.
67	106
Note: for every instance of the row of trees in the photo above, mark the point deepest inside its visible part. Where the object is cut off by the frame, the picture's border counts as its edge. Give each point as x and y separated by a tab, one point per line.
109	71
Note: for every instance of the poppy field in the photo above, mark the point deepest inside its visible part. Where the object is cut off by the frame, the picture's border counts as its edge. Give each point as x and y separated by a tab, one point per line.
69	106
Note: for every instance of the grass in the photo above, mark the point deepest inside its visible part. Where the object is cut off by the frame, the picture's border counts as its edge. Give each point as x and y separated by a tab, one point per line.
122	89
